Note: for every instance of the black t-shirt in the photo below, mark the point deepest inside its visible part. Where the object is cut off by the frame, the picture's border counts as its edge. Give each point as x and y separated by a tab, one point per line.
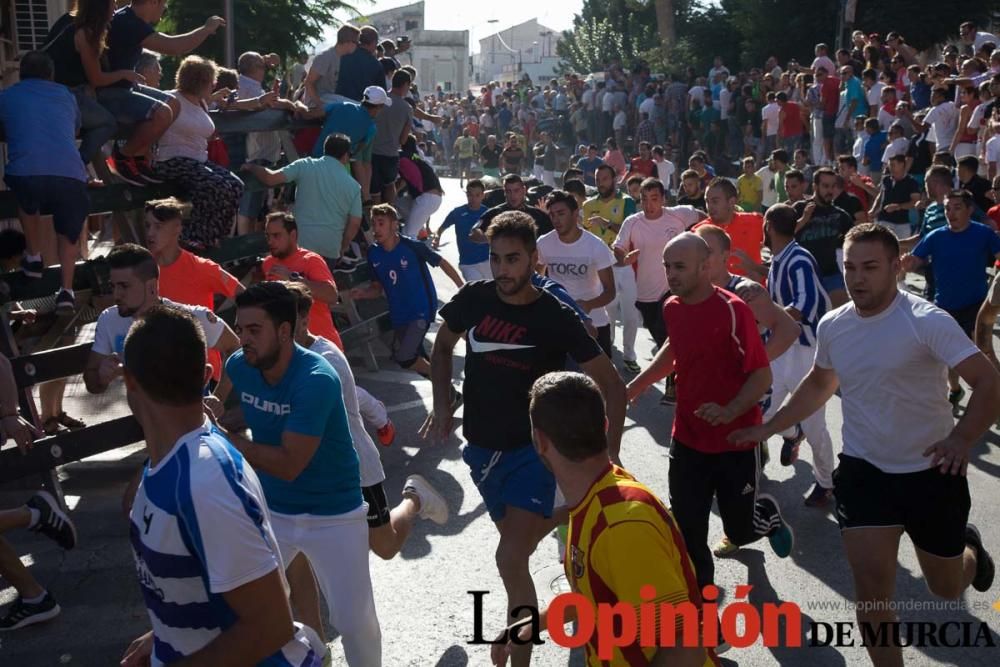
919	151
60	44
897	192
541	218
125	37
508	348
978	187
849	203
491	157
697	202
823	235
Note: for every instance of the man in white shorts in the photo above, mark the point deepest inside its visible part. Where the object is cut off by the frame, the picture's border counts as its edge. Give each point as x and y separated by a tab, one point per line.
302	449
208	562
904	460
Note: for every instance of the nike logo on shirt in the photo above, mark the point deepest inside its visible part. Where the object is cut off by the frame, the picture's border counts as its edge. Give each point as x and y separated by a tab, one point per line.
487	346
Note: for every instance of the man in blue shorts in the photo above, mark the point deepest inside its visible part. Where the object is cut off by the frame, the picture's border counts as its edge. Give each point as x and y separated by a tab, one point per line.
473	258
45	171
402	271
131	30
516	333
300	444
208	562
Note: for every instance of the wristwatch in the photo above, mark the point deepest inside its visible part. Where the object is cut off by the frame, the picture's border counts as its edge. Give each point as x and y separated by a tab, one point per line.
296	276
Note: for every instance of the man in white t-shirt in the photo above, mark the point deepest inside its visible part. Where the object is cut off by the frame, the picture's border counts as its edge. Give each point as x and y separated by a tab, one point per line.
207	559
822	59
770	120
135	286
641	241
942	118
665	169
904	460
580	261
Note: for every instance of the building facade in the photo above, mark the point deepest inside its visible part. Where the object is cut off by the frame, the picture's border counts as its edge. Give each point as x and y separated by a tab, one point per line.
508	54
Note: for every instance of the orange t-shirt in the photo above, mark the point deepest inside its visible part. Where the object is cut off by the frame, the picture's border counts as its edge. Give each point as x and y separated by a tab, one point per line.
746	230
195	281
313	267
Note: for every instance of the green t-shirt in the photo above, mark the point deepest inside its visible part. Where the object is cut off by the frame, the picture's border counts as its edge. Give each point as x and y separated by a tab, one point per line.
325	197
466	147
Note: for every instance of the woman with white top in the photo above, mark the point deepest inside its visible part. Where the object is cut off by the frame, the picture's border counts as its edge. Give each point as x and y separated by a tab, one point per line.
182	157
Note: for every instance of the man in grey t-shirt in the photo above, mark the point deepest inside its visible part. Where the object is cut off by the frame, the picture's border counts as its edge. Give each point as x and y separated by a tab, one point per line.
392	129
321	81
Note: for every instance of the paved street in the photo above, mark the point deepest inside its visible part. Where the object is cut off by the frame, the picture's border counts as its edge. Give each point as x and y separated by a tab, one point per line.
422	595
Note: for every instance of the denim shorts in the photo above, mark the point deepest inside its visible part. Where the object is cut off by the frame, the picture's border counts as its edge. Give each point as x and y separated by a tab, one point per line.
131	105
513	477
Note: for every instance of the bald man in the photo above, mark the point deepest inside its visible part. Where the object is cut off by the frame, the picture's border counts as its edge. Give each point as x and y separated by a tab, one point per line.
722	373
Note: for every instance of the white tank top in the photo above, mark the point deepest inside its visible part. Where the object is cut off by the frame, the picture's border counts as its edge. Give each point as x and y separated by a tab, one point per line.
189	134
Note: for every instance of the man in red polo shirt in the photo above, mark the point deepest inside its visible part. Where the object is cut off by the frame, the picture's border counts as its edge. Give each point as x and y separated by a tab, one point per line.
722	373
184	276
745	229
643	164
288	261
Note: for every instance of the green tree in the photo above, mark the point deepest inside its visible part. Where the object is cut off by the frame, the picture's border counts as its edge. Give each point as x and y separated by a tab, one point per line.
923	23
592	44
285	27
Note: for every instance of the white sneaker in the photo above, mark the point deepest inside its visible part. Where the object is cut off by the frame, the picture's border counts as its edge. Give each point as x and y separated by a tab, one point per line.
432	503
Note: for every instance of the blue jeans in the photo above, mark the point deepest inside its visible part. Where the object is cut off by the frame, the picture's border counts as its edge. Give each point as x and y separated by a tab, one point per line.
97	125
131	105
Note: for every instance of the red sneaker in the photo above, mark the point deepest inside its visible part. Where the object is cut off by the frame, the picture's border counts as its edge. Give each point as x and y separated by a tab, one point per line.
387	434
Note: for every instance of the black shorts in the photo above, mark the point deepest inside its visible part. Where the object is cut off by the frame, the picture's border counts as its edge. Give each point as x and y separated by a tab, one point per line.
652	318
408	343
385	171
65	199
966	318
829	125
378	505
930	507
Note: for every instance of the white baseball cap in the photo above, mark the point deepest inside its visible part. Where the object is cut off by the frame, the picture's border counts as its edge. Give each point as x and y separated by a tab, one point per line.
376	95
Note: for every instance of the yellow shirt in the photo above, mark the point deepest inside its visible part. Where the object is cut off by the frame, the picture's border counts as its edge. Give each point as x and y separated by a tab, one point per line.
621	538
614	210
751	191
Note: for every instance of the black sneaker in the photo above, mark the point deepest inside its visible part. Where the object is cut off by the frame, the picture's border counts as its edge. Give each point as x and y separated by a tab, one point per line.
781	537
33	268
21	613
65	302
790	447
984	562
669	391
146	172
52	521
125	168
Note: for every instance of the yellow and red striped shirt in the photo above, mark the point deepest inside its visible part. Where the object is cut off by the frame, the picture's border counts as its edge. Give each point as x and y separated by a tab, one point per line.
621	538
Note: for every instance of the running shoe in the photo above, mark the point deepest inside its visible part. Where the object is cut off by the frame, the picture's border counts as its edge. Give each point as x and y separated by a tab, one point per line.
65	302
22	613
781	537
984	562
33	268
955	397
432	503
632	366
52	521
125	168
725	548
790	447
669	391
387	434
146	172
819	496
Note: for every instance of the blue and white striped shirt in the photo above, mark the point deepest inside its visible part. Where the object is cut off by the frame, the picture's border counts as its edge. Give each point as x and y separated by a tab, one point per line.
200	528
793	280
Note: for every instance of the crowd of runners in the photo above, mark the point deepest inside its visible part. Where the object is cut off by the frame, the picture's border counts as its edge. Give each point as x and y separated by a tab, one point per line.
765	291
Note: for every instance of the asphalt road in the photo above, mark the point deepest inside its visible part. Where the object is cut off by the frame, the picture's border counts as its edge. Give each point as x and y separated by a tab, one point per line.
423	599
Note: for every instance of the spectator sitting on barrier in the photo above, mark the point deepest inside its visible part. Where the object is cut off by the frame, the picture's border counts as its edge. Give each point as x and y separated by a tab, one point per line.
360	68
263	148
182	156
185	277
149	69
132	31
327	199
40	514
135	287
45	170
321	82
76	44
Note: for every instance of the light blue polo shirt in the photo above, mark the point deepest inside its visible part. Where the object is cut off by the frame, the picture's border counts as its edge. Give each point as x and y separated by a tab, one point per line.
325	197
